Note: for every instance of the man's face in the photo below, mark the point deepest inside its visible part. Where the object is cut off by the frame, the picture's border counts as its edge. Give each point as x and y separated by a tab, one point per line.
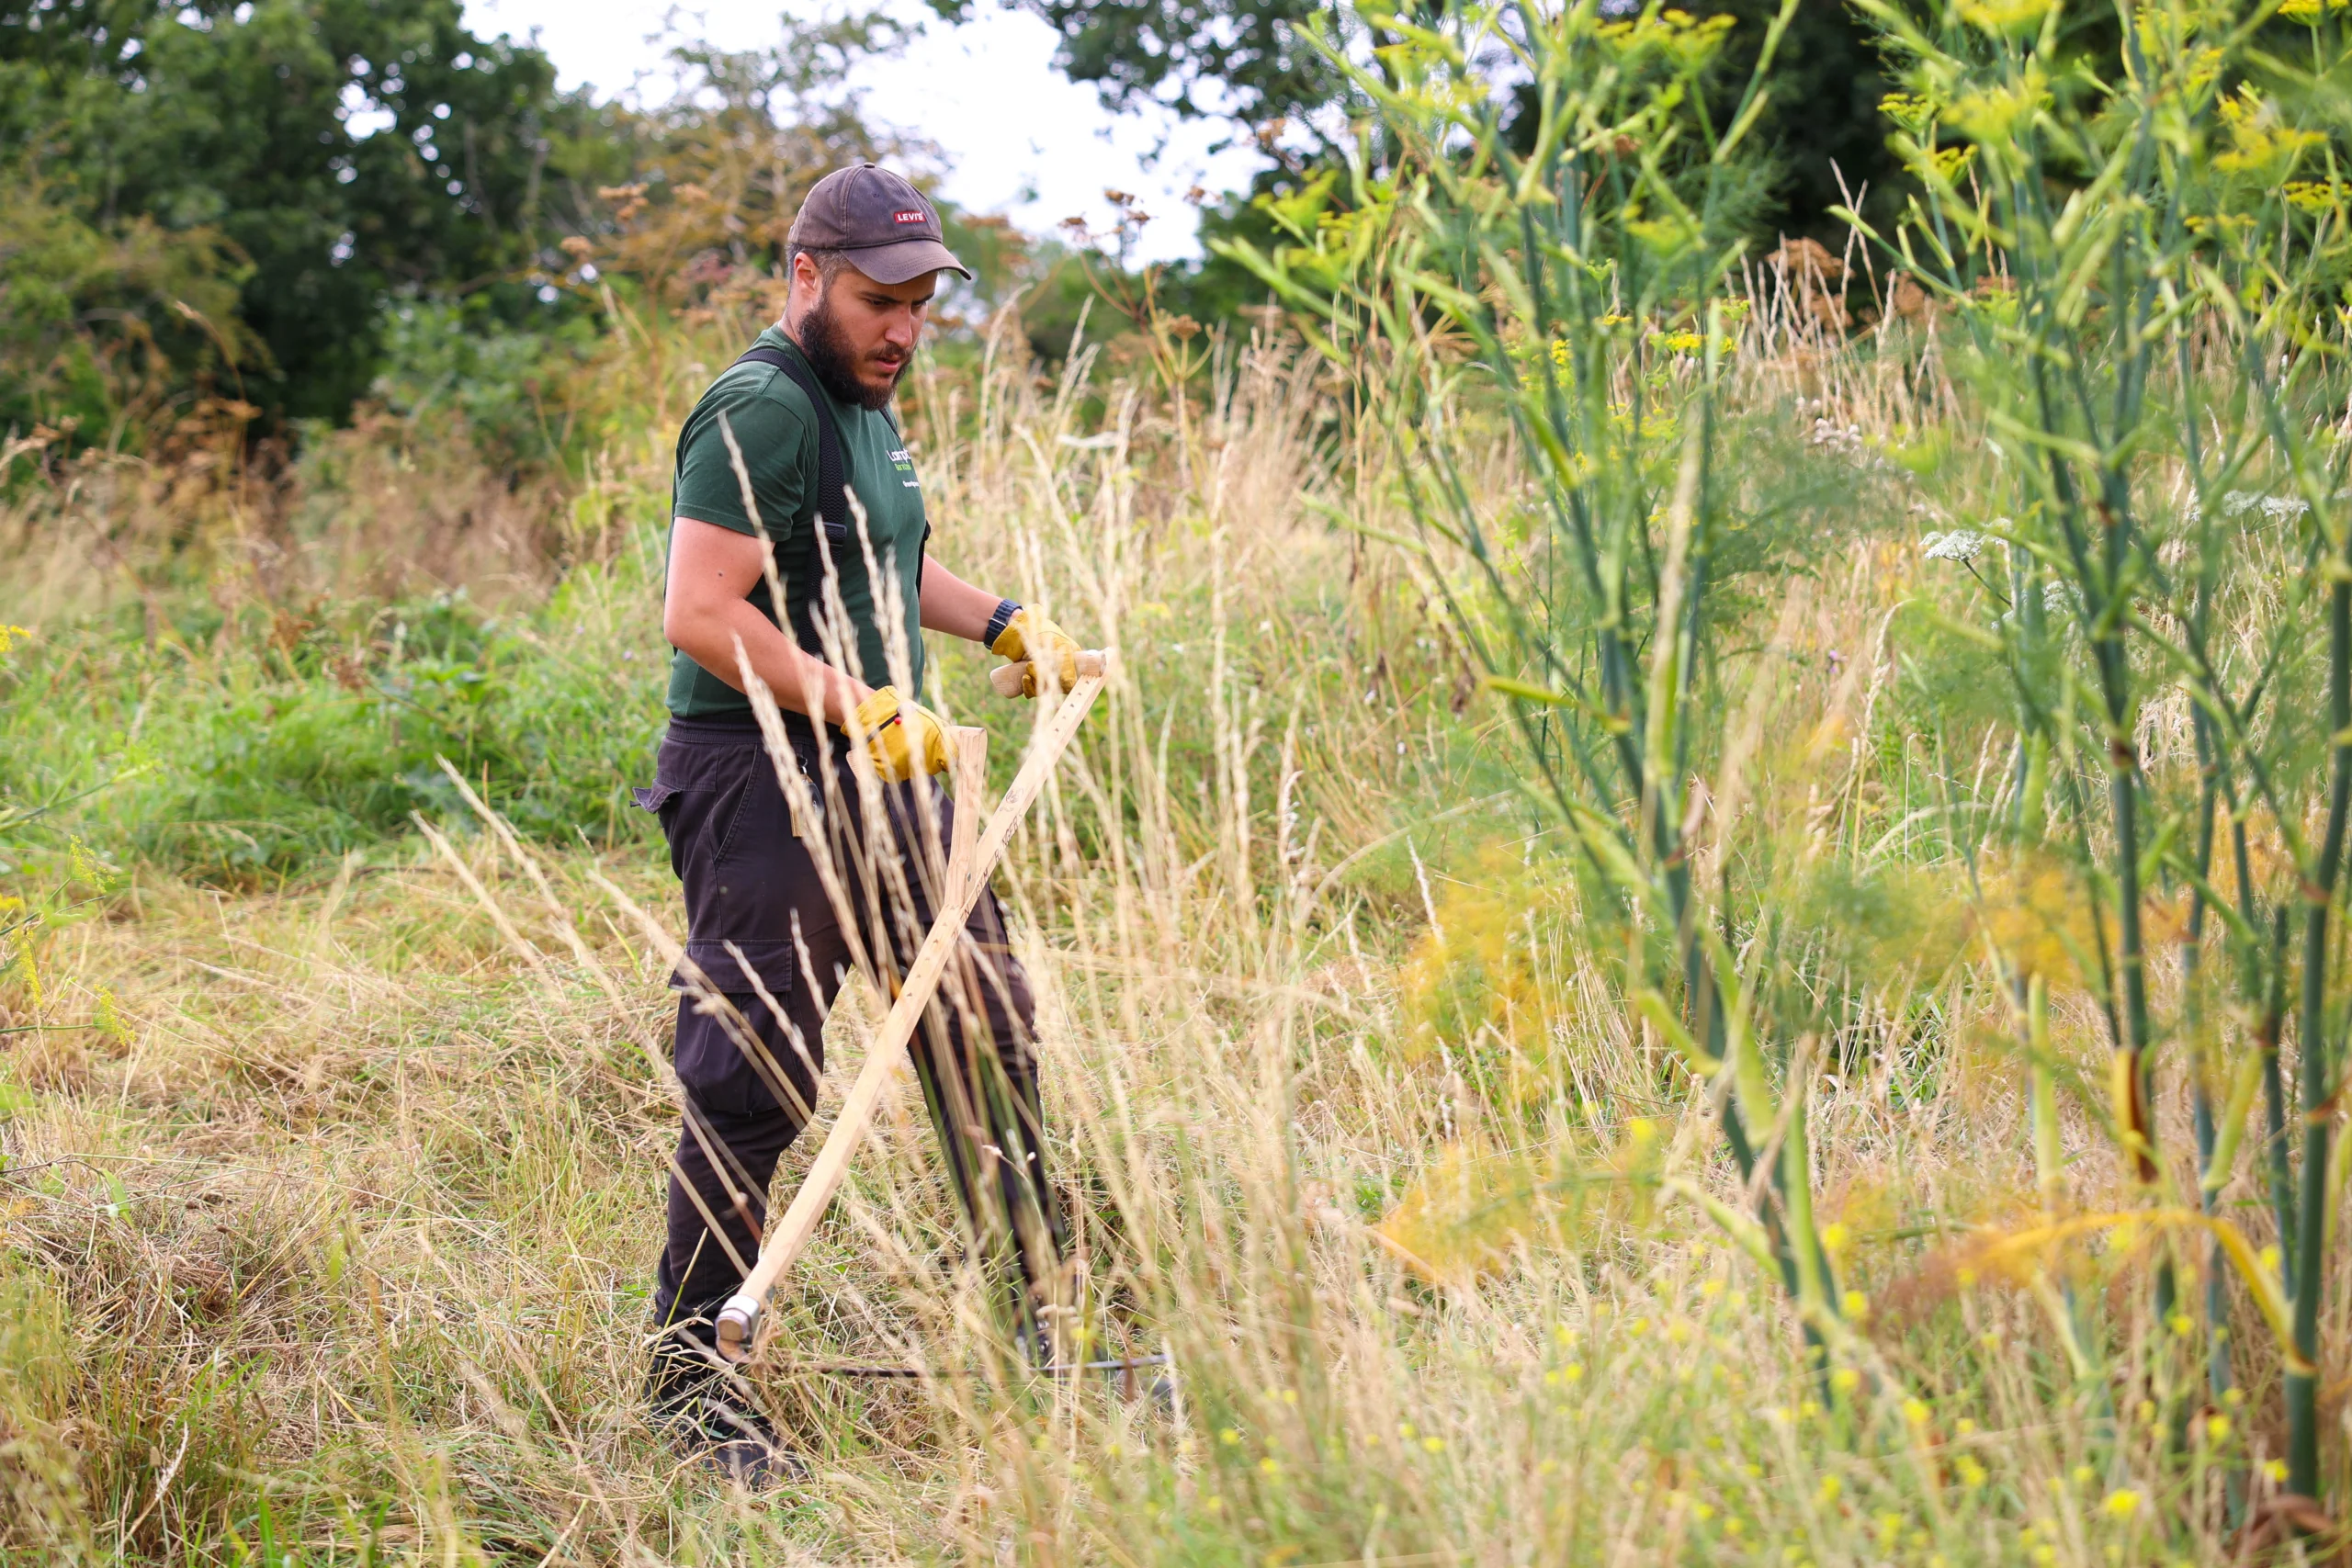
860	335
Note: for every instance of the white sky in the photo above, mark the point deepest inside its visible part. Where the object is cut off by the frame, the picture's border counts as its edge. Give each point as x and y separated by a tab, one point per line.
1019	138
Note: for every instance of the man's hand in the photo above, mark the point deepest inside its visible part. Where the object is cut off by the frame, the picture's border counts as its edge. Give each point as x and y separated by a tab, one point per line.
1041	649
902	739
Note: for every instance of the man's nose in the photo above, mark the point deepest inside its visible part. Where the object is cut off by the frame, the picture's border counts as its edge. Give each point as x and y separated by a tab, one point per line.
901	327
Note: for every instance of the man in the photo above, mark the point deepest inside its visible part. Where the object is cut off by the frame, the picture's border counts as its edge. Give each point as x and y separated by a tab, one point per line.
802	412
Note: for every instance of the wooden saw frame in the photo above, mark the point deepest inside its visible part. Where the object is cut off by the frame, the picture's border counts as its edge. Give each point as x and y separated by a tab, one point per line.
972	853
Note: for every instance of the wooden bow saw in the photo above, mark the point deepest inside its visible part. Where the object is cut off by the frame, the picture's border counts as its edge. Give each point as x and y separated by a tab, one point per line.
971	855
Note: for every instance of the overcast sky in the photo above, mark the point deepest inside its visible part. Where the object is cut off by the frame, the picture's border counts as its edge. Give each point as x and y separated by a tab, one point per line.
1019	138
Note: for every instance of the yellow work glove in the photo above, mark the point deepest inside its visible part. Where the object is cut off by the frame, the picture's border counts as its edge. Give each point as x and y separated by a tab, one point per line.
902	739
1029	639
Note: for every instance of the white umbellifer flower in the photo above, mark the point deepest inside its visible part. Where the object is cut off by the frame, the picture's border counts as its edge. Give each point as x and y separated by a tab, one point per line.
2238	502
2274	508
1961	544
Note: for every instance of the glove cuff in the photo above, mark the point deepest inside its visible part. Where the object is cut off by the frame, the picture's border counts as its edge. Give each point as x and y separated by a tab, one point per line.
879	710
1005	610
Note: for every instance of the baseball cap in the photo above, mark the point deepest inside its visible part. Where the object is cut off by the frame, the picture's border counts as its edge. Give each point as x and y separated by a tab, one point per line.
891	231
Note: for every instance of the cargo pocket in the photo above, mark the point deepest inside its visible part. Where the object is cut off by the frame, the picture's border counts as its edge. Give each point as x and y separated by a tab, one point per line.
722	1077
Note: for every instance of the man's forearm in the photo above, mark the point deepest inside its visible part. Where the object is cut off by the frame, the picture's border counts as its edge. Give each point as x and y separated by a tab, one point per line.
951	606
800	680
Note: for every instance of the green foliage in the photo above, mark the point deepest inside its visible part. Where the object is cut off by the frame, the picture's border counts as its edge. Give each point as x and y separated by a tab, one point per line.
1953	684
102	328
2140	270
1820	126
338	149
452	369
690	202
284	754
1578	271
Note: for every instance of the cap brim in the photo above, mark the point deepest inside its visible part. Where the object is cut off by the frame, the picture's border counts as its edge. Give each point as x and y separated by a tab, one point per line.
907	259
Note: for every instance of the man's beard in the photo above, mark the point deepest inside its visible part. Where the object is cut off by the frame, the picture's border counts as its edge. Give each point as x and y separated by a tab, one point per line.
835	362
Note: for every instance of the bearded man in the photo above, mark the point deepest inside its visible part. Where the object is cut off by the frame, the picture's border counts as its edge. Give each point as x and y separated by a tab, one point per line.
763	462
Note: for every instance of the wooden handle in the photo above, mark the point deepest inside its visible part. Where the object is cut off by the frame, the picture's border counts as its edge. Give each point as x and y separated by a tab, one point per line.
970	858
968	765
1006	678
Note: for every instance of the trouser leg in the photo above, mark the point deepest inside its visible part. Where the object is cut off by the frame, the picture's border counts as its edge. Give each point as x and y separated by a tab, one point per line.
748	1083
743	1107
748	1065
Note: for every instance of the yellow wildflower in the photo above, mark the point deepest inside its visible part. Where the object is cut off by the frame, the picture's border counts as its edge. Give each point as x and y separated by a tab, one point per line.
2258	143
2003	15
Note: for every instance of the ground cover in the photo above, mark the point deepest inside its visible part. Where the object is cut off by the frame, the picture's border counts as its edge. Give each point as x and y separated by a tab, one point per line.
1679	936
333	1200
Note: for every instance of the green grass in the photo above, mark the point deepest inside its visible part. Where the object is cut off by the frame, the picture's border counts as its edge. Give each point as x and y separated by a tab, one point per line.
240	753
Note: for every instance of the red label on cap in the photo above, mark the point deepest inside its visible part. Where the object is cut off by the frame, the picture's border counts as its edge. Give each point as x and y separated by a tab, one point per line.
907	216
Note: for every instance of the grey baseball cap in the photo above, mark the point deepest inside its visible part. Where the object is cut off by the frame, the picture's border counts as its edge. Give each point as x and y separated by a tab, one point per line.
890	229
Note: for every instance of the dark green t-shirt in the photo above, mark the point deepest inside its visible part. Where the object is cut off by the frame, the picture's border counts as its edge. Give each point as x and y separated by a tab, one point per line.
775	427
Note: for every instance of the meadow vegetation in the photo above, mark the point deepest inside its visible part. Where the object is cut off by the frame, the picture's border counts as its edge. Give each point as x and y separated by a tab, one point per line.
1705	921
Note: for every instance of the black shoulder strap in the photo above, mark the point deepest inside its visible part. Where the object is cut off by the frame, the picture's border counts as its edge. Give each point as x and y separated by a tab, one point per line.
831	504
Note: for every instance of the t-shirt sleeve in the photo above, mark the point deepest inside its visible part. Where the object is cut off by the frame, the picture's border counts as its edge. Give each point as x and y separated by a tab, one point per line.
772	436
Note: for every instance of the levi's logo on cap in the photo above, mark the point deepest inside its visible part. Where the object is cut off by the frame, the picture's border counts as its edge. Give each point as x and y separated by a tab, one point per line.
906	217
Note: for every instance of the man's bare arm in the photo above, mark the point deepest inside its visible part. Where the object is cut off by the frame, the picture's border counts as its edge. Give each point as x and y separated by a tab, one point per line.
704	613
951	606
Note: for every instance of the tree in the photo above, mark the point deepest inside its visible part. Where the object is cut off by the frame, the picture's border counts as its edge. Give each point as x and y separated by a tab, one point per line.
168	302
699	193
1252	61
1821	127
343	151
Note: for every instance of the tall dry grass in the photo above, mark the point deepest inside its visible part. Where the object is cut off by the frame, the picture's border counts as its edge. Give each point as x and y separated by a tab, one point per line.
332	1205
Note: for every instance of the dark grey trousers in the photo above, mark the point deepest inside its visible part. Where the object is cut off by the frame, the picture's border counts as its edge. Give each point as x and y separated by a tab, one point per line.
760	920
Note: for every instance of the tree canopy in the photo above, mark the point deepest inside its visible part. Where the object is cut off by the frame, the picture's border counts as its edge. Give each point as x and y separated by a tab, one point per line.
1254	64
320	154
